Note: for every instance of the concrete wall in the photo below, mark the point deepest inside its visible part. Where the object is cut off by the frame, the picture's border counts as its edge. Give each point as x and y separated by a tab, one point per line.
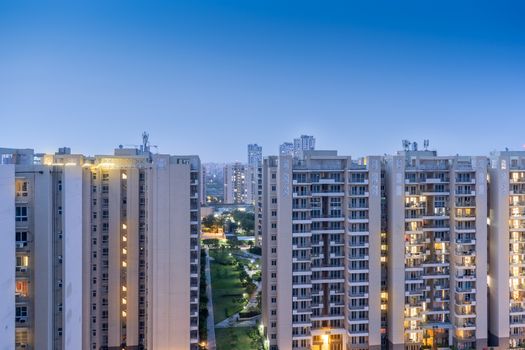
284	254
395	182
374	263
72	258
7	257
132	257
499	298
114	285
480	166
43	260
169	260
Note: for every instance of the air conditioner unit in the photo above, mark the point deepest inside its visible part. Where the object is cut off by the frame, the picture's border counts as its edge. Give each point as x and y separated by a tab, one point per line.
21	319
21	244
23	269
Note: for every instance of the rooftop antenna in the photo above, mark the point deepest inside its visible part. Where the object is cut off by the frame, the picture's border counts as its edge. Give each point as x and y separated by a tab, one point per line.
406	144
414	146
145	142
426	143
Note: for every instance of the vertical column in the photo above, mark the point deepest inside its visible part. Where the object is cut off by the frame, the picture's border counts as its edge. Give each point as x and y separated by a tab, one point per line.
114	258
72	213
374	262
179	256
395	183
284	253
480	166
499	298
7	257
130	254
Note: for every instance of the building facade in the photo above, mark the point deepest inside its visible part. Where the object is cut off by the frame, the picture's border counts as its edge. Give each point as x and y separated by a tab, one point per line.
46	240
437	251
303	143
507	250
286	149
235	184
321	250
107	250
254	155
253	170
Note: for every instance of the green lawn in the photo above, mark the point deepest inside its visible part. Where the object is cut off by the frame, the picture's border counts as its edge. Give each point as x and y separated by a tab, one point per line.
226	287
234	338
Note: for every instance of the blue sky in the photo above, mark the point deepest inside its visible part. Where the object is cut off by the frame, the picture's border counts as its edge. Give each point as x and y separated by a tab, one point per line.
208	77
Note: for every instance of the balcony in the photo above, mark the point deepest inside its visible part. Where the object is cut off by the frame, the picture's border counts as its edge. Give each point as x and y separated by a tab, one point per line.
465	252
22	321
463	193
466	241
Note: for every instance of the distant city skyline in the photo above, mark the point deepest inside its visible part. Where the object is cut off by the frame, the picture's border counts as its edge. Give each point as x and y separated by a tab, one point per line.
209	78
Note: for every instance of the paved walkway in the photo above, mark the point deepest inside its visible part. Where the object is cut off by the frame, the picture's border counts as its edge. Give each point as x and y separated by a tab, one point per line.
210	321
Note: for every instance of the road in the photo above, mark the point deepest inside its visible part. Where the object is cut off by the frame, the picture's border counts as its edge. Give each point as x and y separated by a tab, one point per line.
211	320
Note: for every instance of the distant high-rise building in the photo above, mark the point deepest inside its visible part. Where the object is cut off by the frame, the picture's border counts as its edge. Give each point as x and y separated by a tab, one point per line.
252	173
303	143
254	155
214	179
235	184
98	243
286	149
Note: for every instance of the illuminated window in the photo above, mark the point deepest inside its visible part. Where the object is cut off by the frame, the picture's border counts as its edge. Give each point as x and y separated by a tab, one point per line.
22	260
21	288
21	188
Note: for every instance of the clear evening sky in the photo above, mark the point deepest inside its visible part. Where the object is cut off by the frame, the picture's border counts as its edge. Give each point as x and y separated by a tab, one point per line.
209	77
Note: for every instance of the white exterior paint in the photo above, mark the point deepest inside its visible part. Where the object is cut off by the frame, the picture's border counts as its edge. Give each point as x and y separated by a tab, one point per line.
7	257
72	309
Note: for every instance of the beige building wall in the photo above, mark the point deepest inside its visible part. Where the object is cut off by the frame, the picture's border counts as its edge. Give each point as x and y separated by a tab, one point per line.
395	176
499	266
284	253
374	274
307	297
72	256
437	249
7	256
506	249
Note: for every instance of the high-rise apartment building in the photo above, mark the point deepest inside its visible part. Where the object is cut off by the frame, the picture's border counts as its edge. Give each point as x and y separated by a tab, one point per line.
507	250
322	252
253	169
437	250
42	228
286	149
235	184
107	249
303	143
254	155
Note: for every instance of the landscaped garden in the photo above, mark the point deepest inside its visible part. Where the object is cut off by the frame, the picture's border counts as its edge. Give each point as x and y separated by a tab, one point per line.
238	338
227	288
